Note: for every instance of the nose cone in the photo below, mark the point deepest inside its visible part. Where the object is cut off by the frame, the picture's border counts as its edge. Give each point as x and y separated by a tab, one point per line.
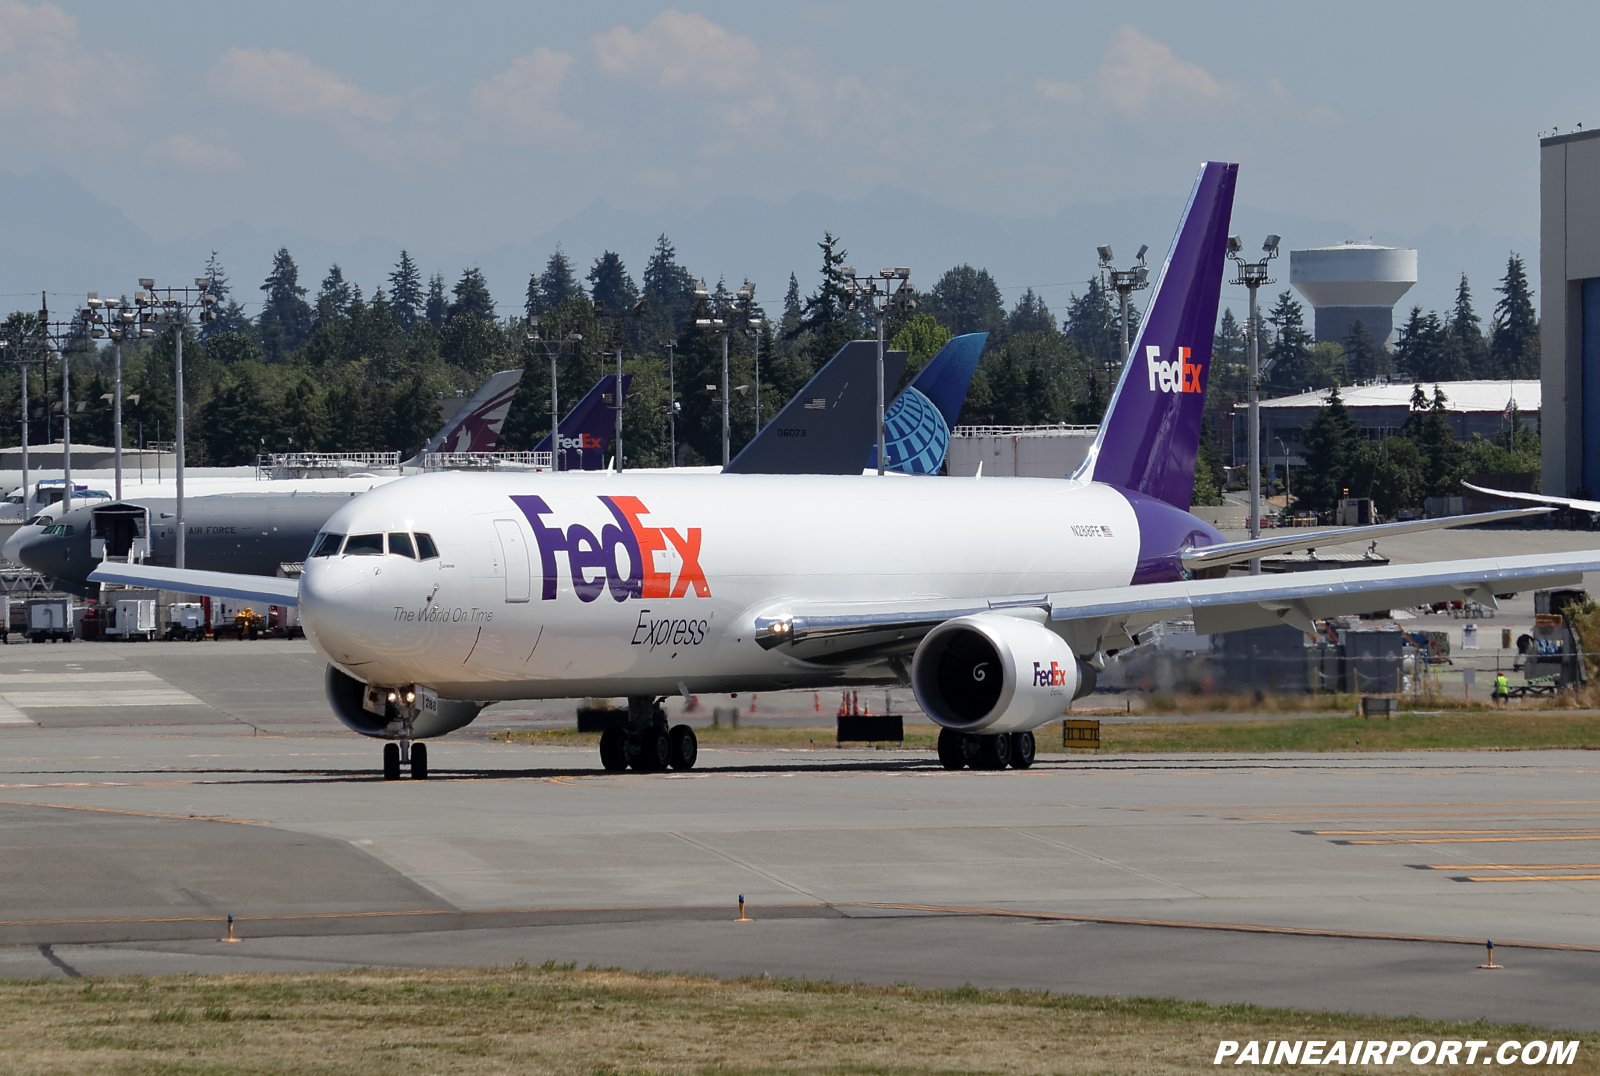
50	554
336	608
12	550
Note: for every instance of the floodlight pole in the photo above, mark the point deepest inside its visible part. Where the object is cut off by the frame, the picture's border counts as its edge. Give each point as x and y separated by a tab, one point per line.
173	311
672	407
880	292
1126	282
1253	275
726	458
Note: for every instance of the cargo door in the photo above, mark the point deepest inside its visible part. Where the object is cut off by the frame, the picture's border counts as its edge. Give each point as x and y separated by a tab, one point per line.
514	555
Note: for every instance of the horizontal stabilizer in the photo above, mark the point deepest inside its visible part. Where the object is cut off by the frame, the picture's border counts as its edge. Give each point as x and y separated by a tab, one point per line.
1539	498
1237	552
266	589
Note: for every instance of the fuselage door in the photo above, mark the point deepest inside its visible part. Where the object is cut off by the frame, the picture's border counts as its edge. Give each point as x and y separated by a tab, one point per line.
514	550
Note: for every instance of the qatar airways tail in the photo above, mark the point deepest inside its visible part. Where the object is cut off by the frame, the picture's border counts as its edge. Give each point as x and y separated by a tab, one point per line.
995	599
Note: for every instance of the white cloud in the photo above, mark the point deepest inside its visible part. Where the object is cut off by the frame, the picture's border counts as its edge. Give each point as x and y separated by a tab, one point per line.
524	95
680	50
289	84
45	69
194	154
1138	72
1066	92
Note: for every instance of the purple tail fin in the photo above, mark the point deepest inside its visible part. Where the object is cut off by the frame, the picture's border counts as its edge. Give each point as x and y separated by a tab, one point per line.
1151	433
586	429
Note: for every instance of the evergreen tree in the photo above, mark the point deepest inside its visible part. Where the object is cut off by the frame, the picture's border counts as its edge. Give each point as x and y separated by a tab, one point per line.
826	318
791	303
1228	362
1094	323
333	300
436	307
1467	334
557	283
1291	346
1514	337
1331	442
1209	473
1031	315
1364	359
285	320
405	292
305	420
230	316
611	286
533	303
967	300
471	297
668	287
1429	428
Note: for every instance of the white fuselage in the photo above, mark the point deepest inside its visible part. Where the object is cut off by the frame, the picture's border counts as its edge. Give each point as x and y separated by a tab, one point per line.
501	612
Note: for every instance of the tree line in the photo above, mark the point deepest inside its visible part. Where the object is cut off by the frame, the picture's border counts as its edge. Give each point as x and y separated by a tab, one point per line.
336	369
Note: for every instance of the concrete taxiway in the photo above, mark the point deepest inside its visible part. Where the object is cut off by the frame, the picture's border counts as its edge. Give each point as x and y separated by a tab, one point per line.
148	791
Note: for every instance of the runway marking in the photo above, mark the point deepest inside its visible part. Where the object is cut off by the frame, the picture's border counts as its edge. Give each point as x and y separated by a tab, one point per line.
1477	840
137	814
1506	866
1535	878
92	700
117	677
1395	832
10	715
1242	928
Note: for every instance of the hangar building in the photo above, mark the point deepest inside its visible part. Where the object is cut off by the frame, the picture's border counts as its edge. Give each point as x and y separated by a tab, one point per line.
1569	310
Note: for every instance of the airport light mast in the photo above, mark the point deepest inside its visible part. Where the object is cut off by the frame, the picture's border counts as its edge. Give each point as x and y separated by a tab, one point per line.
61	334
552	351
1126	282
889	290
22	360
118	321
754	329
170	308
1253	275
672	405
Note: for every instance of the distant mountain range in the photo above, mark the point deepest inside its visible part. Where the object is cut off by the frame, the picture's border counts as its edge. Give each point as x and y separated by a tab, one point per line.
61	238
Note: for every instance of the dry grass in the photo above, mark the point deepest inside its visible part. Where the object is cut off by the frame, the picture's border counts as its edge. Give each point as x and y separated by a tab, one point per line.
1464	730
555	1020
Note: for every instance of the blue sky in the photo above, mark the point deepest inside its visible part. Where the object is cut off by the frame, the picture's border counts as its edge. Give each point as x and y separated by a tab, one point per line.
470	126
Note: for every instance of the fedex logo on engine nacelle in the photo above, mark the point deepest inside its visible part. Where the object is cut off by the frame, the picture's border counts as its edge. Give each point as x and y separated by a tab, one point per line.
1051	675
1180	376
592	560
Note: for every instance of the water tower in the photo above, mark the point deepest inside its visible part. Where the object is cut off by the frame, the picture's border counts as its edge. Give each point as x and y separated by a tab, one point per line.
1353	282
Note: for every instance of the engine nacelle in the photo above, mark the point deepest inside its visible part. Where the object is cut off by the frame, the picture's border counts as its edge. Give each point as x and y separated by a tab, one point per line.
995	673
365	709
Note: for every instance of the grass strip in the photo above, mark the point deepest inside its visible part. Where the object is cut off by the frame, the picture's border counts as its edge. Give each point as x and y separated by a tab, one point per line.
554	1019
1450	730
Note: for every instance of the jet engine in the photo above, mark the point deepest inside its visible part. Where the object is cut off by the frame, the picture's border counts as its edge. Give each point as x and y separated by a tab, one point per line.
371	711
991	673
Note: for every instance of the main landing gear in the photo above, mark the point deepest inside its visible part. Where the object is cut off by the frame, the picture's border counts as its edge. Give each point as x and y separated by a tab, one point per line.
995	752
405	752
648	744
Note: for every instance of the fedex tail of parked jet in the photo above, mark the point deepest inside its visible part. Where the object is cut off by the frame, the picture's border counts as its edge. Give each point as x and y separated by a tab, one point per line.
919	422
1151	432
586	429
476	427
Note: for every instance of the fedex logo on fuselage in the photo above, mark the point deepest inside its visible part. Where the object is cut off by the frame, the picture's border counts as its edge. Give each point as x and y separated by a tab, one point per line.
583	440
593	562
1051	675
1180	376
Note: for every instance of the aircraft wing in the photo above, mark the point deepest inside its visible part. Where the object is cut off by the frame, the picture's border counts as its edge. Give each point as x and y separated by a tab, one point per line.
1109	618
1538	498
267	589
1235	552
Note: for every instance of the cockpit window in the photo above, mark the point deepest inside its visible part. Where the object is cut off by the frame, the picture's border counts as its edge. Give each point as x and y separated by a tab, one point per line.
62	530
364	545
400	544
426	550
327	545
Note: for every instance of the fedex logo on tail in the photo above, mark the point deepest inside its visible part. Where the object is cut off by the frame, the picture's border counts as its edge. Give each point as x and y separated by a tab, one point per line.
1179	376
583	440
1051	675
593	560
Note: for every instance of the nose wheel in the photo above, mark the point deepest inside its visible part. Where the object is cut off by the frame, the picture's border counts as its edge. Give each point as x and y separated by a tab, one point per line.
396	755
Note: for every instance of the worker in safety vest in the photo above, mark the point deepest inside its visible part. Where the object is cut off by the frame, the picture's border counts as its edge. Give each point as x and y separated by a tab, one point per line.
1502	690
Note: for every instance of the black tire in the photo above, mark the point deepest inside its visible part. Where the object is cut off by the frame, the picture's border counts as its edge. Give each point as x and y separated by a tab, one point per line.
419	762
655	751
614	750
391	762
950	753
685	747
994	752
1022	750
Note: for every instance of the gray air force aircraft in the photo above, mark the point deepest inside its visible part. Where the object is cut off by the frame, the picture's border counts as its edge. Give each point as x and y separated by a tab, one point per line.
995	598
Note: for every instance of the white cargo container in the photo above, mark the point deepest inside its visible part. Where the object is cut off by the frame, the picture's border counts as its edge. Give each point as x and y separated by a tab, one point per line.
186	620
133	618
49	618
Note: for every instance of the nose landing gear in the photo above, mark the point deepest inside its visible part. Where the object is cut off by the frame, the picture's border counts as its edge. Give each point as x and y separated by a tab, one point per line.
405	753
648	744
994	752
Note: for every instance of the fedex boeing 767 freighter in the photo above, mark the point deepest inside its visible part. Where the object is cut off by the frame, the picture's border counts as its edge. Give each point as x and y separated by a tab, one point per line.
995	598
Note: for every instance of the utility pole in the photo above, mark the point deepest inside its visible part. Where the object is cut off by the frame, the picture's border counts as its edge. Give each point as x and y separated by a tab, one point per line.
172	310
552	351
883	295
1253	275
672	406
118	321
1126	282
